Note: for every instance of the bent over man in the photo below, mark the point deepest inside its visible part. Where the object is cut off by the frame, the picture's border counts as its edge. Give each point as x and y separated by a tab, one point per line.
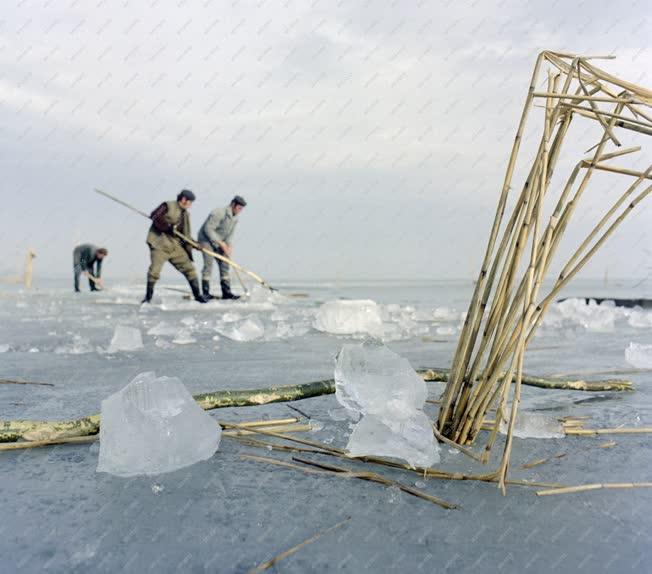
164	245
85	257
216	234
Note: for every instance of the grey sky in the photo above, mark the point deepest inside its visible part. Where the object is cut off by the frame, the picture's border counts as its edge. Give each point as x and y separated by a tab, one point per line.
370	138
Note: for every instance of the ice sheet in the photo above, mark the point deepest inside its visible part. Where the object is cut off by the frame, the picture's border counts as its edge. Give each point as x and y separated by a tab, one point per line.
65	517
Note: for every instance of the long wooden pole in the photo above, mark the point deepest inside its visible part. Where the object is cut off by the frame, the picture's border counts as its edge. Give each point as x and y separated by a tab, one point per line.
13	430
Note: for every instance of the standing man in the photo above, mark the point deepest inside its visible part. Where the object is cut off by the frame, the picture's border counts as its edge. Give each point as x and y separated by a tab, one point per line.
164	245
84	258
216	234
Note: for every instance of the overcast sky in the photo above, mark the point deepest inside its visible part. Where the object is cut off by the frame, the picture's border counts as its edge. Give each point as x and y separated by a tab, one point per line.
369	138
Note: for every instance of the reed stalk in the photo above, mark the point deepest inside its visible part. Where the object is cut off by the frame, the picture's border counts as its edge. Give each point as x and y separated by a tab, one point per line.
506	307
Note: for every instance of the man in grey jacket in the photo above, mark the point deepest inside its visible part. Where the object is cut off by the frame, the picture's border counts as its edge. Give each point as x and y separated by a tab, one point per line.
216	235
85	257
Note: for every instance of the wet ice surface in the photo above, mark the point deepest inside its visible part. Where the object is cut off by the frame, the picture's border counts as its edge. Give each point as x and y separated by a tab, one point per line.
227	514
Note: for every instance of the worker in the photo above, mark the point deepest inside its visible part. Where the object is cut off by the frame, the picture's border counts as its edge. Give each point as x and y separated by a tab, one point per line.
216	234
87	259
165	245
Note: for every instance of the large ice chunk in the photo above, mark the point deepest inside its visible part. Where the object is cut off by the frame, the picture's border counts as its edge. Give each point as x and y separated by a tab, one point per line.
373	381
370	378
125	339
349	317
639	356
152	426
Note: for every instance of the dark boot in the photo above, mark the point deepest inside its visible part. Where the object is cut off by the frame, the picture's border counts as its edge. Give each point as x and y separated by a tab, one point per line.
150	292
206	290
226	291
194	285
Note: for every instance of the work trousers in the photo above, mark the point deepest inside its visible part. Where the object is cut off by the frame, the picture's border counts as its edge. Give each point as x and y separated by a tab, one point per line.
177	256
208	265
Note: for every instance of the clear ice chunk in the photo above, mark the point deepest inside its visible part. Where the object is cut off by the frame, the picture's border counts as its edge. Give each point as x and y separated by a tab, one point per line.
639	356
288	330
79	346
184	338
590	316
370	378
382	387
640	319
163	344
535	425
125	339
445	330
163	328
349	317
152	426
248	329
407	437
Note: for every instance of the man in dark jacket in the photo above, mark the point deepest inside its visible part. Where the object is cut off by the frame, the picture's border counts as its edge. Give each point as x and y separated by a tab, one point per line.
164	245
87	259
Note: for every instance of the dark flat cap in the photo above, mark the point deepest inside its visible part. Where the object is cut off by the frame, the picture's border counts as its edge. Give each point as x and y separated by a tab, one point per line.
187	194
239	200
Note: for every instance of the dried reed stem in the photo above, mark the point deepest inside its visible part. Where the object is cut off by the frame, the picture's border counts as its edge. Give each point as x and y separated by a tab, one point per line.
586	487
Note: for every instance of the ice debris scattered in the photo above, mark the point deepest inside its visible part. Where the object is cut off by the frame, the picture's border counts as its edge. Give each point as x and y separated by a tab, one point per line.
78	346
184	338
575	312
375	383
163	328
125	339
640	319
594	317
349	317
639	356
152	426
248	329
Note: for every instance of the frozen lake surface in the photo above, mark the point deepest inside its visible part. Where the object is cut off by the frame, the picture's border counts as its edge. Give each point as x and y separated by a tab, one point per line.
227	514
